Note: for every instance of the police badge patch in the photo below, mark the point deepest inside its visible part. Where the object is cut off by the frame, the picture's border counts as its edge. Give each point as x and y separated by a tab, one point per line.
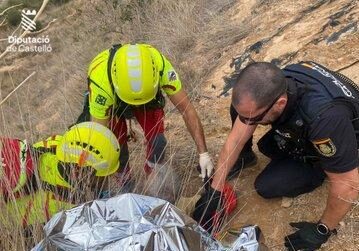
325	147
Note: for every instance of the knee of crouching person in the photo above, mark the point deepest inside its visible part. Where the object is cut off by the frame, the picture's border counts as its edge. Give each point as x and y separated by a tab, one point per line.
263	189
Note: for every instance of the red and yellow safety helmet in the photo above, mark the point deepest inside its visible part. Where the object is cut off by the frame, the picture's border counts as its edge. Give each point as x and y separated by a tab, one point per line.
92	145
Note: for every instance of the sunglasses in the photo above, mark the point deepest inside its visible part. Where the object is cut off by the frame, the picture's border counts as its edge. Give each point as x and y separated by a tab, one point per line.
258	118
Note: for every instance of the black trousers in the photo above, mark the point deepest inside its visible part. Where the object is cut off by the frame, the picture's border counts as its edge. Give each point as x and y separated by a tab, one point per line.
283	176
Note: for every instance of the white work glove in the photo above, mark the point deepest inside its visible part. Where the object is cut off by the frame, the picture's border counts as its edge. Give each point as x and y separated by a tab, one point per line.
206	164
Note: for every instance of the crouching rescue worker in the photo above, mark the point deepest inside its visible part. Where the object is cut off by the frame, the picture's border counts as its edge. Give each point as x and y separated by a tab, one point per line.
128	81
314	114
38	180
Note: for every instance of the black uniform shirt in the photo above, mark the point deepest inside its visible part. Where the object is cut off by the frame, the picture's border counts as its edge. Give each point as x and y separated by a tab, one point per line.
332	134
334	140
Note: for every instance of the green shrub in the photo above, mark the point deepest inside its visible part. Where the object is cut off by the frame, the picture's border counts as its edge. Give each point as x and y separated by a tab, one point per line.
39	25
14	2
59	2
13	17
126	13
34	4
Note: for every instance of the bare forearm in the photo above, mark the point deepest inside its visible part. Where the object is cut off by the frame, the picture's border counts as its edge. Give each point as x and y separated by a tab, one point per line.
239	135
195	128
226	160
340	199
190	116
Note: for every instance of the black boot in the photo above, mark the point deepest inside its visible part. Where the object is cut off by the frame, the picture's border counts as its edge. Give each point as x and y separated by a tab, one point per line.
245	159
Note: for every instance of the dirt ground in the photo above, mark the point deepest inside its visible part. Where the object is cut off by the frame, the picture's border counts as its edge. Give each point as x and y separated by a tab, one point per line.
273	215
305	36
281	31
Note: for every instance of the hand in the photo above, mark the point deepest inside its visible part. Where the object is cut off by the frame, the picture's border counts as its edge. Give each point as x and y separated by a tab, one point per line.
206	164
307	237
209	210
213	206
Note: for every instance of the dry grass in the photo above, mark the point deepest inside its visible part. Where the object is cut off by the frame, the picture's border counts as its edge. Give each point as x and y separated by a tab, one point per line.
175	28
54	95
193	34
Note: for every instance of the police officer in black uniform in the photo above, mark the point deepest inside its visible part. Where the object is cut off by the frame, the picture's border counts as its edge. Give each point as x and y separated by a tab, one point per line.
314	114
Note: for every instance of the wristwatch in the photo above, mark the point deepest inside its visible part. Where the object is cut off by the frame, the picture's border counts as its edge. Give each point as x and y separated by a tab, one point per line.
323	229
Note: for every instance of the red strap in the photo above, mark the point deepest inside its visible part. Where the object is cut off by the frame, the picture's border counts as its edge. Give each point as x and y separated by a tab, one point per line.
230	202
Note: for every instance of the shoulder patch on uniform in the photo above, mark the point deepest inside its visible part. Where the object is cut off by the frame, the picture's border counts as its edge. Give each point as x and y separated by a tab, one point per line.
101	100
172	76
325	147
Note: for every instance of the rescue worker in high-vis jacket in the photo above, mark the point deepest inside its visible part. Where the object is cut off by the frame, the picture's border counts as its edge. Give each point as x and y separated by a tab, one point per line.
129	81
38	180
314	114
